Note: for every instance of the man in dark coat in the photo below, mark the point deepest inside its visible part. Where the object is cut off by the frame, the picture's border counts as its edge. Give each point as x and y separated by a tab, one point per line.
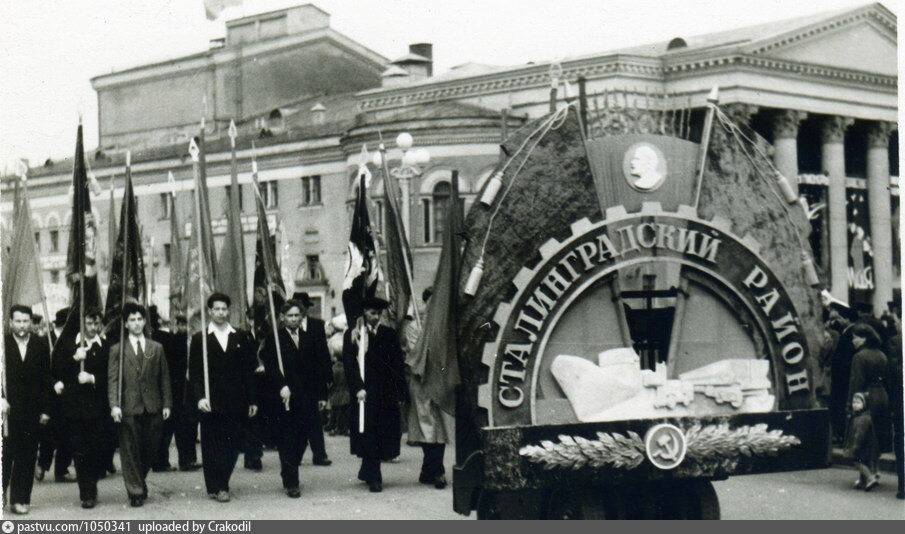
55	445
25	405
297	374
381	391
79	368
317	331
143	402
230	401
842	318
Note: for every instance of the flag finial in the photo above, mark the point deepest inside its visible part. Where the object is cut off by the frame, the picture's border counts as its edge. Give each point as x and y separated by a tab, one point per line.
193	150
233	132
171	180
128	158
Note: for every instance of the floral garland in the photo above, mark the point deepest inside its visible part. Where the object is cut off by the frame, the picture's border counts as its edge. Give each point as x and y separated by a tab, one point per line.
712	446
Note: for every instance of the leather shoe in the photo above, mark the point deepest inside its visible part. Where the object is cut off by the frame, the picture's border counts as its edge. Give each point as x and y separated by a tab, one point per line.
20	509
293	493
39	473
223	496
254	465
194	466
68	477
135	502
440	482
163	468
90	503
212	496
375	487
322	461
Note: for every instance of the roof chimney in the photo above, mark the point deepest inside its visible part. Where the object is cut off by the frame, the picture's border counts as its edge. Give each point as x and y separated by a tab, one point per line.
425	50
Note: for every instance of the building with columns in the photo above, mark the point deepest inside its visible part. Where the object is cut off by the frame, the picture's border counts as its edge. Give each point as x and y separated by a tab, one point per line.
821	90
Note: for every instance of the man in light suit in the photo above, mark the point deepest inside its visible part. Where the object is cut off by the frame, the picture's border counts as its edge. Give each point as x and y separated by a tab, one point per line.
26	405
144	403
231	364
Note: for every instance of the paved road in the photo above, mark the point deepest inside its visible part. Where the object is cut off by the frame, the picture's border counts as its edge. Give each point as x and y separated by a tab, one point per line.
334	493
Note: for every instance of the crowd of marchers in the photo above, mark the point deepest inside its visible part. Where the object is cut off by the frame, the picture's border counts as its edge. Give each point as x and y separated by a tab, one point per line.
78	399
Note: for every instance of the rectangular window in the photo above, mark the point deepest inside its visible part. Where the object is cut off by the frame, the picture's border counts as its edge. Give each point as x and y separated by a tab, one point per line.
311	190
55	276
270	193
313	264
38	241
229	192
54	240
426	215
167	250
165	206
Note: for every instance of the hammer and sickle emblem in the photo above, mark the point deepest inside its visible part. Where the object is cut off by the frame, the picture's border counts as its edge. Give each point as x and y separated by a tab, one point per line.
665	446
668	447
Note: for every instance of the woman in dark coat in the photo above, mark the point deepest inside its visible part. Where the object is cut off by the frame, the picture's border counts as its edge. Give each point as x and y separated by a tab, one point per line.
382	390
870	369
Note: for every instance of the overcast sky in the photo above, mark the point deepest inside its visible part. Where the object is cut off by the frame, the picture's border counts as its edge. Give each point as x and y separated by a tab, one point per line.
52	48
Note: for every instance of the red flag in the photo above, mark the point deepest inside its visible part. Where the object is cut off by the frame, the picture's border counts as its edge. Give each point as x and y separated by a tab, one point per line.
127	270
267	273
177	274
232	256
21	284
398	256
200	275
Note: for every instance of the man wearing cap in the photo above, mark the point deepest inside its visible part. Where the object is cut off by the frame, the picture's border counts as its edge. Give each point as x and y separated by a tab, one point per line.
302	385
315	331
231	363
381	391
80	371
25	405
145	402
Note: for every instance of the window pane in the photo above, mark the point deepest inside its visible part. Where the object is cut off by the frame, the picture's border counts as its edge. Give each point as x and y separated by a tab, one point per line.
306	195
441	208
426	216
167	250
54	241
273	199
315	189
38	241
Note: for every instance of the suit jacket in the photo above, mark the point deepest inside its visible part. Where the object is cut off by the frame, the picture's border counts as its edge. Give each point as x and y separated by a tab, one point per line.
306	367
231	372
28	387
81	401
176	351
146	381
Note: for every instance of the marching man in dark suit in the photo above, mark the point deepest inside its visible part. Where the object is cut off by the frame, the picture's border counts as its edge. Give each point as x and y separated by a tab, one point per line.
25	404
382	390
231	364
302	385
145	401
83	401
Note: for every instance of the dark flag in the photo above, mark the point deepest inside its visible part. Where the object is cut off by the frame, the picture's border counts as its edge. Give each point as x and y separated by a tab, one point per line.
81	271
232	255
362	268
127	270
398	255
200	275
436	360
177	274
267	273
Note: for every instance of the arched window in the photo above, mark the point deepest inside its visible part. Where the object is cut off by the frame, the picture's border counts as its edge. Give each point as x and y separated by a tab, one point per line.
440	199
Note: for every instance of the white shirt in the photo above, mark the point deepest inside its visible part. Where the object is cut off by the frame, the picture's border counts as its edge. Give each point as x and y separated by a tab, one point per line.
23	345
222	334
136	341
303	326
90	342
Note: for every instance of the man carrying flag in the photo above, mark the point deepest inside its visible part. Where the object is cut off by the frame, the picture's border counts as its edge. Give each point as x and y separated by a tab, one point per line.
372	356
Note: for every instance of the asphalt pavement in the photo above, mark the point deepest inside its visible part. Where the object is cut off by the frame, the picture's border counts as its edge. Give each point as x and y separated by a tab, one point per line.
334	492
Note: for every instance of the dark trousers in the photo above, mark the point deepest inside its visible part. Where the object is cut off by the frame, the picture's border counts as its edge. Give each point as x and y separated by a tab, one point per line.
253	446
221	441
109	443
183	426
20	450
139	436
55	447
88	438
898	444
370	470
294	428
315	437
432	465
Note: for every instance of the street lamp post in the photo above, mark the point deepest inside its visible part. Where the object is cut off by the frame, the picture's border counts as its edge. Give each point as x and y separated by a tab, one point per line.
407	169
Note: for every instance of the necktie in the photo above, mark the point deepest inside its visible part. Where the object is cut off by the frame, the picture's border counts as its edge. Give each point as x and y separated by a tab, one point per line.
141	350
295	337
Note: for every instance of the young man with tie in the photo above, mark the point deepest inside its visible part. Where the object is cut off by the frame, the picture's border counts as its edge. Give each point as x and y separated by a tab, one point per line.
145	402
381	391
302	385
25	405
230	381
80	373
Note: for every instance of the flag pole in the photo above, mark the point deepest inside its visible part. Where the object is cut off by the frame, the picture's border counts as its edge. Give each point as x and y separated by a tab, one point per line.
79	192
124	226
262	225
406	254
194	151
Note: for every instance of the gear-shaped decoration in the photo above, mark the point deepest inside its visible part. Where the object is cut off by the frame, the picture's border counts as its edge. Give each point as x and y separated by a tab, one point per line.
513	357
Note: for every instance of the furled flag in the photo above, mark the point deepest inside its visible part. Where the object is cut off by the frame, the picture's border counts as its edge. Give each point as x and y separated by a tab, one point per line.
127	270
213	8
111	224
21	284
435	359
267	273
231	267
177	274
362	274
200	275
398	254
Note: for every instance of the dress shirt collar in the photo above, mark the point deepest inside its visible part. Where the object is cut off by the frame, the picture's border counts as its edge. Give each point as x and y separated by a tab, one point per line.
90	342
213	329
23	344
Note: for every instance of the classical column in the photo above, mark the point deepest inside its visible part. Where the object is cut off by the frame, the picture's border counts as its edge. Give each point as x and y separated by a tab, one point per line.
785	143
878	201
833	164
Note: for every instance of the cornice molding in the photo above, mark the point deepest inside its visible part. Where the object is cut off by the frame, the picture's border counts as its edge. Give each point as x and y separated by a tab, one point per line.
869	14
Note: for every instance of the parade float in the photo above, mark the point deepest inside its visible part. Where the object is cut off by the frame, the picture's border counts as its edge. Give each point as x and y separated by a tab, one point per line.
637	317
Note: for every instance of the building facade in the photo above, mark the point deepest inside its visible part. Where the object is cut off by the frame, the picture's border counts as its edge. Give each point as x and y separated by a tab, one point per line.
822	90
